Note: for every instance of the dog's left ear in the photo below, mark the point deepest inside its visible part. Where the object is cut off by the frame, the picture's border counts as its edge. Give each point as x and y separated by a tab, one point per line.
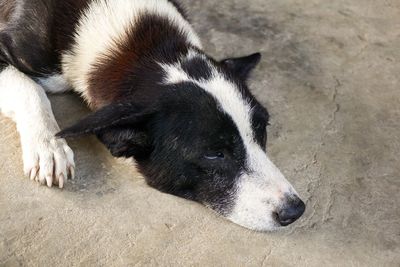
115	115
120	127
242	66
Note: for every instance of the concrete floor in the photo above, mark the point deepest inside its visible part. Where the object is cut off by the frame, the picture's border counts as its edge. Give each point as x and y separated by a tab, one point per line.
330	77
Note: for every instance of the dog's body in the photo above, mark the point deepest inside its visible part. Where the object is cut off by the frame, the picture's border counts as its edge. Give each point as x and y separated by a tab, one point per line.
189	121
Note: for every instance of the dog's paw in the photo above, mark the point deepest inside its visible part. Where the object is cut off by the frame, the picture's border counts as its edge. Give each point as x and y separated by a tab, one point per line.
48	160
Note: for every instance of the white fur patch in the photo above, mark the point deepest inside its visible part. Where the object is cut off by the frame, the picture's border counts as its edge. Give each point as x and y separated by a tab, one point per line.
55	84
261	191
105	23
47	159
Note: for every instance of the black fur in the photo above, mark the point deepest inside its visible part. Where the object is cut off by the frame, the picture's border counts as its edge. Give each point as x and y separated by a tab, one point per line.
170	139
241	67
197	68
34	39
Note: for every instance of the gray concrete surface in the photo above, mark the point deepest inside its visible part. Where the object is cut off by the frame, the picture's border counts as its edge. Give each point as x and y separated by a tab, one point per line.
330	77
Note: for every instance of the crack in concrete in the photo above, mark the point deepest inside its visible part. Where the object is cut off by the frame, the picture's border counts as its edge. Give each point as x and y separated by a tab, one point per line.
313	185
334	101
326	214
266	257
305	166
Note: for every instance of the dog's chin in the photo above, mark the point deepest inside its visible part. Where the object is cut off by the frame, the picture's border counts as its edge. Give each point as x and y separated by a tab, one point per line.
258	225
262	224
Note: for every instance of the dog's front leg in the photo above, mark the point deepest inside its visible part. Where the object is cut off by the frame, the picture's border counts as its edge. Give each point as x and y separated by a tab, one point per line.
47	159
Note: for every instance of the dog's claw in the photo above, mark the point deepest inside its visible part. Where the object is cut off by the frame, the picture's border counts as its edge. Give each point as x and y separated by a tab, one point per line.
48	160
61	181
72	172
34	173
49	180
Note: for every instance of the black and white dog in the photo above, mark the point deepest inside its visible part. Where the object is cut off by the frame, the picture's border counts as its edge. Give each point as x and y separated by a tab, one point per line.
188	120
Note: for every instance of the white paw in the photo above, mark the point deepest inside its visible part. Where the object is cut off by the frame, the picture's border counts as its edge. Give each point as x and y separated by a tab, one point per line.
47	159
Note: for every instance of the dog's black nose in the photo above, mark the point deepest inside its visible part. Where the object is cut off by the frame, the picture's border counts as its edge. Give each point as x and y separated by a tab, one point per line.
291	211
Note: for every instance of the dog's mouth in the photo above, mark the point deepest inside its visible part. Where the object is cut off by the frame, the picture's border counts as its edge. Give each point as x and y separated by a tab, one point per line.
269	221
261	205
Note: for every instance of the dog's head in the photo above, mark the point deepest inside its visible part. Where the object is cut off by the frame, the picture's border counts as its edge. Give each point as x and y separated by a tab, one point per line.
203	140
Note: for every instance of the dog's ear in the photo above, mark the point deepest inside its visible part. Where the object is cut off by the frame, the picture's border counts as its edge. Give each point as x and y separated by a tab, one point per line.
115	115
126	142
242	66
120	127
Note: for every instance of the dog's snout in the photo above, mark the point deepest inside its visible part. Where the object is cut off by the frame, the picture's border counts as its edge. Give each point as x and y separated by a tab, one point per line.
291	211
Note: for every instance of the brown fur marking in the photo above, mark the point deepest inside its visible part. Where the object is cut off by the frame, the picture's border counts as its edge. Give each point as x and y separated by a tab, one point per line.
109	81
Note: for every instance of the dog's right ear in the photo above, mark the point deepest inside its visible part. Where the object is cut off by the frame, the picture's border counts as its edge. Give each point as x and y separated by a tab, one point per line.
242	66
112	116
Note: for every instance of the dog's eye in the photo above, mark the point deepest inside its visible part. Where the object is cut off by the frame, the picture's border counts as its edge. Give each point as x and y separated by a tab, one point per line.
214	155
